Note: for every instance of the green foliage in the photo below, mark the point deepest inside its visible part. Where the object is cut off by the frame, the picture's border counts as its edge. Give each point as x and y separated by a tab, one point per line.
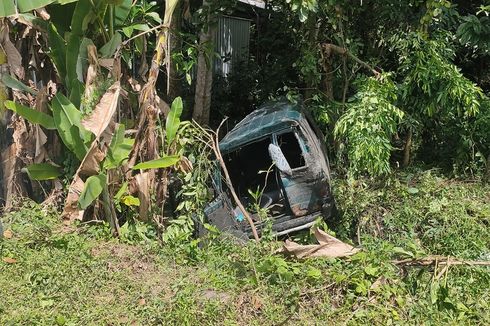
11	7
119	149
101	85
368	124
173	120
94	185
31	115
475	32
42	171
53	278
193	194
418	209
13	83
108	50
441	101
303	8
432	84
67	119
158	163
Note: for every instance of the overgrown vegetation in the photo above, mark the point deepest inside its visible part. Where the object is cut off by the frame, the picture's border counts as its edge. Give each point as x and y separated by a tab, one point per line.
53	274
94	97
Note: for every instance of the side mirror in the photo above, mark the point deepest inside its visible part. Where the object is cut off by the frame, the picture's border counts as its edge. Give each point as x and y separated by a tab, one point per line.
279	159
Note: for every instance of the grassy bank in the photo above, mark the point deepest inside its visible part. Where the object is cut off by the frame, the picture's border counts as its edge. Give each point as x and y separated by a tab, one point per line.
53	274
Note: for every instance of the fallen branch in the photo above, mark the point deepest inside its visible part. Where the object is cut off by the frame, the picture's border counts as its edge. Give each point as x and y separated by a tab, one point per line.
229	183
440	260
330	48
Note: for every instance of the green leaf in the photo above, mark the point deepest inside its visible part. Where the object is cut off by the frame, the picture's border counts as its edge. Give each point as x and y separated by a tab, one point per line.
58	50
314	273
412	190
31	115
82	15
131	201
163	162
82	60
72	51
121	191
13	83
401	251
370	270
128	31
28	5
121	12
173	119
155	16
42	171
119	149
7	8
110	48
434	291
92	189
77	89
67	120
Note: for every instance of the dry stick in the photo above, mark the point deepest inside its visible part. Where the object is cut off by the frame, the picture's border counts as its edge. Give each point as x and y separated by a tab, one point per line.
230	184
109	210
431	260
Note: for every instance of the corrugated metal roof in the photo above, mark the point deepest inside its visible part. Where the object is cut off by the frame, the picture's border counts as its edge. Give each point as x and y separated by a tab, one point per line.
232	43
269	118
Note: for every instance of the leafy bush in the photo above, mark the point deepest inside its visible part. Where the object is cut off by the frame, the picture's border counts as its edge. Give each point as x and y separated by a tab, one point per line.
368	124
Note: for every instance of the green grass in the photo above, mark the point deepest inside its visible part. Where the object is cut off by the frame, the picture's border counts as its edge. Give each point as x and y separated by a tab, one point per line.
80	276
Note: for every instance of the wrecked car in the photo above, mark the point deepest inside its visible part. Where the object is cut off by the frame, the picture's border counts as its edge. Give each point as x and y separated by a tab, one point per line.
277	162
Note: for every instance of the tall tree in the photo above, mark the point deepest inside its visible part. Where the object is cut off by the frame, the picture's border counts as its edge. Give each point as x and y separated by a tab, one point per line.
204	79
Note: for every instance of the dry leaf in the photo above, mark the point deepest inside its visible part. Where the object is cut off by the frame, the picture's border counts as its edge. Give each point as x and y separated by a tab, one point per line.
14	59
99	123
9	260
106	63
103	112
143	185
41	140
43	13
328	246
91	162
71	211
92	71
256	302
185	165
7	234
141	302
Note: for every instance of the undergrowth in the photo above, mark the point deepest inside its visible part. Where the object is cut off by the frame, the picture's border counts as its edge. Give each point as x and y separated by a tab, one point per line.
51	274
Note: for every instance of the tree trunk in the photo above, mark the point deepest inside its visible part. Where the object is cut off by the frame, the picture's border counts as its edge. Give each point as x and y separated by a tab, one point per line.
407	148
327	67
175	45
204	80
311	31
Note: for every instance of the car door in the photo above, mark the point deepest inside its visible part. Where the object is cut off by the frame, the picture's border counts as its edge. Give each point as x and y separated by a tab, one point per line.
305	184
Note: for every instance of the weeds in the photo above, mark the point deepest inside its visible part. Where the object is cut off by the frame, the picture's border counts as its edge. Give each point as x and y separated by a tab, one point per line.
82	276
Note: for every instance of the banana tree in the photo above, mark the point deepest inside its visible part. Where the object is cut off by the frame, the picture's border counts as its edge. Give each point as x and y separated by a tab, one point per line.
160	168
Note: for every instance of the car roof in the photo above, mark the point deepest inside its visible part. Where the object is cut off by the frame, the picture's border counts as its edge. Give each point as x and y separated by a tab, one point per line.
269	118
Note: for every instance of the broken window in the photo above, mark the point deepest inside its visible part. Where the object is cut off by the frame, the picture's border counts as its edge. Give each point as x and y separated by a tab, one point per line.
247	166
288	142
244	165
